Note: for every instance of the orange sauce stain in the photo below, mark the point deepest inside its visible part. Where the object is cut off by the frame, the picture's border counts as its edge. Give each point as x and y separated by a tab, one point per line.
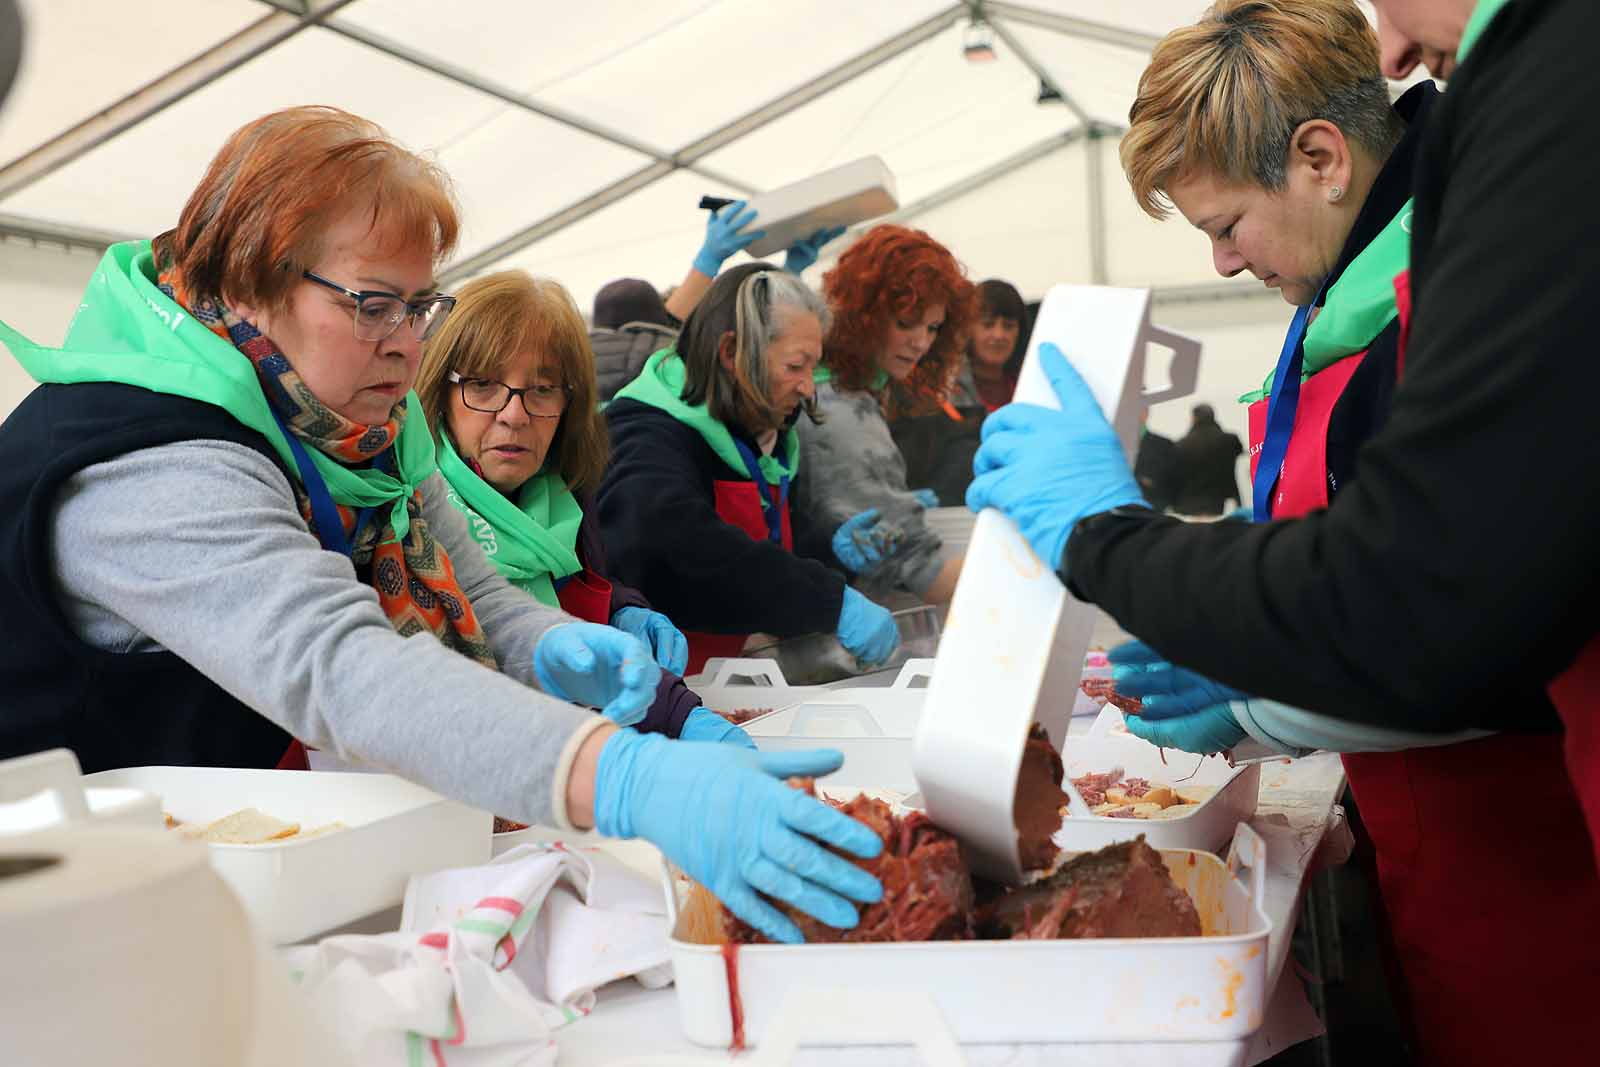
1232	982
1252	952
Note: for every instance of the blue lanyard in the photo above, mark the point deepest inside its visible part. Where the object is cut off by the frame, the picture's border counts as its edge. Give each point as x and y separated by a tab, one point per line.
1281	407
773	498
324	512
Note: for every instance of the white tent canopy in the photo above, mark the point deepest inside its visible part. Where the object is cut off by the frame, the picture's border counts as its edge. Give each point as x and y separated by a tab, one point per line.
580	137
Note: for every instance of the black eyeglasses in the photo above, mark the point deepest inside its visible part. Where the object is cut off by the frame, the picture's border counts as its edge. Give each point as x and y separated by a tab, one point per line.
540	401
378	314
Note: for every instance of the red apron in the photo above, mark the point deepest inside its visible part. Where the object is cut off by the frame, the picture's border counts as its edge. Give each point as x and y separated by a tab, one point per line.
738	504
1484	861
586	596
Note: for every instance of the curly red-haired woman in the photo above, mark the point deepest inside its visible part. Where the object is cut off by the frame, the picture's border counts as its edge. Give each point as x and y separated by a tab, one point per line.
902	307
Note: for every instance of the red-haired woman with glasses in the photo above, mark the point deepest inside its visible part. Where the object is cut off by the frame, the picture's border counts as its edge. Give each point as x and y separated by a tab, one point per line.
509	387
902	307
224	530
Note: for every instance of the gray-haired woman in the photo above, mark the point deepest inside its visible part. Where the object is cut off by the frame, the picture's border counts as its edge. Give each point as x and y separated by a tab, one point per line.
696	508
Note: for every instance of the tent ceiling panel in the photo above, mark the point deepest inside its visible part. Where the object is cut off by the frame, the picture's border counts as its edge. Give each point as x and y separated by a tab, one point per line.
1158	17
932	116
652	234
1102	78
59	86
488	148
615	62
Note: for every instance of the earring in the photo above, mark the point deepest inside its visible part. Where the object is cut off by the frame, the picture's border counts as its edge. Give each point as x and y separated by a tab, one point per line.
1336	193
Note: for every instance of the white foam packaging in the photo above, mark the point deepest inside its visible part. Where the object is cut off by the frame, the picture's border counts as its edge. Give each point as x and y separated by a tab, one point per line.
1207	989
840	196
297	888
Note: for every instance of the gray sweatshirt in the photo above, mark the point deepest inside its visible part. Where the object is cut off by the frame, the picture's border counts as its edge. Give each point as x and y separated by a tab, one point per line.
199	548
849	464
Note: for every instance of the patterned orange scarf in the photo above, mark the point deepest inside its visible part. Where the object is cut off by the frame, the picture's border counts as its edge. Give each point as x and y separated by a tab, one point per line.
414	579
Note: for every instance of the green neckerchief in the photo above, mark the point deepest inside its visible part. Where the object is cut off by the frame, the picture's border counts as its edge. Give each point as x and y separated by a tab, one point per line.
128	331
1479	21
823	375
529	542
1358	306
660	385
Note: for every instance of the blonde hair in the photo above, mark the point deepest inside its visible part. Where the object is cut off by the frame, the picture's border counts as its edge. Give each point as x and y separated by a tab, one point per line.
261	213
497	318
1225	95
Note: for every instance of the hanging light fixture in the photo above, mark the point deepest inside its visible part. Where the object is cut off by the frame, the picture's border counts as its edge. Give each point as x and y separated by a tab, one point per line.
1048	94
977	45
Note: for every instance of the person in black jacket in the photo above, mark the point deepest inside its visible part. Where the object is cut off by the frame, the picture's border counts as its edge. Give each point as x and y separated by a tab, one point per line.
1403	600
696	508
1204	479
1156	468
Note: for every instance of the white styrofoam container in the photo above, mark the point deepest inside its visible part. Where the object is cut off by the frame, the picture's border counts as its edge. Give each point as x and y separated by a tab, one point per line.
295	889
46	788
743	682
872	725
1108	745
1199	989
1014	641
840	196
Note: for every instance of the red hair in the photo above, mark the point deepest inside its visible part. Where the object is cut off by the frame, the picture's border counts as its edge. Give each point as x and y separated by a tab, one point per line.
897	273
261	213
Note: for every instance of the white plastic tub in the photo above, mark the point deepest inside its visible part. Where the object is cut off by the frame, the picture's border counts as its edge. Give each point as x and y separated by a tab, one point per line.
841	196
46	789
1108	745
872	725
737	683
1201	989
294	888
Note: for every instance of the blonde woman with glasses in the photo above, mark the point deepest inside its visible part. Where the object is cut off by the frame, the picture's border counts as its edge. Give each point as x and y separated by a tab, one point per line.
508	386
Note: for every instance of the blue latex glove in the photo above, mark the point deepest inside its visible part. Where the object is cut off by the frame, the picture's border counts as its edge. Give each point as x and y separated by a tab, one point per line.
1181	709
724	237
722	814
867	629
665	640
1241	514
1046	469
926	497
805	251
600	666
703	724
862	542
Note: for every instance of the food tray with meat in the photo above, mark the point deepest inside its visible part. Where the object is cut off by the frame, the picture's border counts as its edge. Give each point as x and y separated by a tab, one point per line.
1075	985
304	884
1202	798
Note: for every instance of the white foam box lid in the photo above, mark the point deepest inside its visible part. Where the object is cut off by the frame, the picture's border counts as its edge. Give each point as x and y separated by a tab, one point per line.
295	889
841	196
1176	989
1014	641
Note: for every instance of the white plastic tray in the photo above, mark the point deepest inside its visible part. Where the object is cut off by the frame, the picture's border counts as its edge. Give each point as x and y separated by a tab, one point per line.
1014	642
295	889
872	725
1201	989
744	682
1108	745
46	789
841	196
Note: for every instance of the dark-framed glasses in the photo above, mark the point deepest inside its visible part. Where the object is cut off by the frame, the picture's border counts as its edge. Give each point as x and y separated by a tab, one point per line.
540	400
378	314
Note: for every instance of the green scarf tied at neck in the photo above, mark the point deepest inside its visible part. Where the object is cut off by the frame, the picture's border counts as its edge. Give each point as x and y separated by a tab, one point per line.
531	541
660	385
128	331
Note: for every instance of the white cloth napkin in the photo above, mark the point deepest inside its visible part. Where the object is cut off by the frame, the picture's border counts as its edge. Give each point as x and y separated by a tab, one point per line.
489	960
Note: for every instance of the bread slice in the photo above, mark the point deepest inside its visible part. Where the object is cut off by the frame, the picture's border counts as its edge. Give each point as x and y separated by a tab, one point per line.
1176	811
1194	794
249	827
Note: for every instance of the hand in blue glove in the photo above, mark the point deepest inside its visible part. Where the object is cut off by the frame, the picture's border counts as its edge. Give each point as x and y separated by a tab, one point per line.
1181	709
1046	469
724	237
665	640
600	666
805	251
862	542
703	724
926	497
722	814
867	629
